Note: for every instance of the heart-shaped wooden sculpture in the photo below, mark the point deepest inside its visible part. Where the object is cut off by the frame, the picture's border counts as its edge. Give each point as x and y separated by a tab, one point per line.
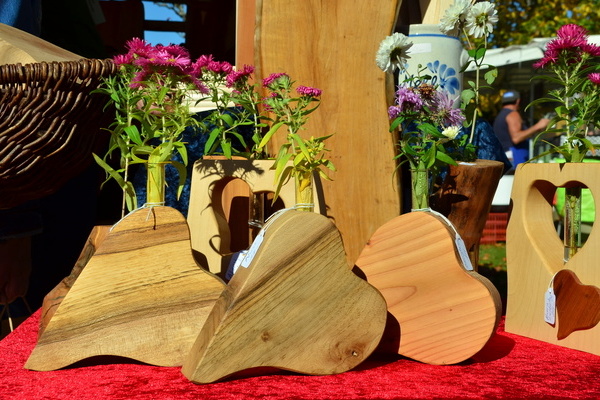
577	305
440	312
141	296
535	252
297	306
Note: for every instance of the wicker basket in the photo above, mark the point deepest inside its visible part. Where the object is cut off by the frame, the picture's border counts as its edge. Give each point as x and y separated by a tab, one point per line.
50	124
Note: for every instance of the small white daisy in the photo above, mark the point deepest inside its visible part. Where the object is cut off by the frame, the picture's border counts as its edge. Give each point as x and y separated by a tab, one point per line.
481	18
455	15
451	132
392	52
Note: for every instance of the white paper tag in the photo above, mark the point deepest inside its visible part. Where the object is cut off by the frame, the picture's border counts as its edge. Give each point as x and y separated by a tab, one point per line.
550	306
253	249
464	254
239	260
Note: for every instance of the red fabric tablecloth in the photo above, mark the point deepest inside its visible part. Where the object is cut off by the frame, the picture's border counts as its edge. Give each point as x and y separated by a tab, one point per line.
509	367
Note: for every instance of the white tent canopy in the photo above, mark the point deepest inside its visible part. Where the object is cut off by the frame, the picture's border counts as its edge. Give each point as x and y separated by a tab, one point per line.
516	54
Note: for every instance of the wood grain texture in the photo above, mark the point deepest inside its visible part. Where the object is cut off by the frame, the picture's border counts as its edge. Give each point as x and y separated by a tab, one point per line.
534	251
53	299
141	296
17	46
577	305
207	215
432	11
440	313
297	307
331	45
466	197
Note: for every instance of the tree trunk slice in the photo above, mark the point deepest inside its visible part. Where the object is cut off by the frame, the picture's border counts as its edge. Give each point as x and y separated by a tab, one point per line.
140	296
466	197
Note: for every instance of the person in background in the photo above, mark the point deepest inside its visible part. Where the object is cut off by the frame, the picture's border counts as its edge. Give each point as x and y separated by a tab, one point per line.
512	131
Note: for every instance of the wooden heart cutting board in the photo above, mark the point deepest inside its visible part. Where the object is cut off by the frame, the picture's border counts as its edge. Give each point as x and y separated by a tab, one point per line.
141	296
440	312
297	306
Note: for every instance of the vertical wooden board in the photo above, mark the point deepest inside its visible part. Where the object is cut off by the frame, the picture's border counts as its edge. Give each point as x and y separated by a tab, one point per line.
534	251
432	11
244	32
331	45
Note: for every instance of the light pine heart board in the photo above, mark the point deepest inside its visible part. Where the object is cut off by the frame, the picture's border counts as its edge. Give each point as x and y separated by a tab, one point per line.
534	251
331	45
297	306
440	313
141	296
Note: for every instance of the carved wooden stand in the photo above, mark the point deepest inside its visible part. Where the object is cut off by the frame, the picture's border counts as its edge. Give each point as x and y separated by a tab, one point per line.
535	254
208	216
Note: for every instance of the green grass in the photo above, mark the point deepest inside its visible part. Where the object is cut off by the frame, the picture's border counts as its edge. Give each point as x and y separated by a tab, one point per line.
493	256
492	265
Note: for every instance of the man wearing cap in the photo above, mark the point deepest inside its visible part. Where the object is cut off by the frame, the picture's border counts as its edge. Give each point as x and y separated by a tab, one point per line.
512	131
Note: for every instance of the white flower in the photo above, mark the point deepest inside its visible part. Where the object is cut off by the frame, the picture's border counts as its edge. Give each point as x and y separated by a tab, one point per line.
455	15
481	18
451	132
392	52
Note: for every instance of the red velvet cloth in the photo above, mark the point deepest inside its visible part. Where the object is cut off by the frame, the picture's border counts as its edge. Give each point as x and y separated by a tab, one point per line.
509	367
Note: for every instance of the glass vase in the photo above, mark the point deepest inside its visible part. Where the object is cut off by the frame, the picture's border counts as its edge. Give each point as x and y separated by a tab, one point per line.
304	191
572	222
155	182
419	189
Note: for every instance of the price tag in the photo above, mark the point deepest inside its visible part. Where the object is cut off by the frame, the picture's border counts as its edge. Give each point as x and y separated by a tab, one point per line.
253	249
464	254
550	306
238	261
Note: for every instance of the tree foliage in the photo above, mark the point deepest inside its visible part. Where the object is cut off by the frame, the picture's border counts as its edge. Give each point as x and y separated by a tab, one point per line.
522	20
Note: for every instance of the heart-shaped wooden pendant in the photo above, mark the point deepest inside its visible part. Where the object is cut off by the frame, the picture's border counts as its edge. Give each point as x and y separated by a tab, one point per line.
440	312
577	305
297	306
141	296
535	252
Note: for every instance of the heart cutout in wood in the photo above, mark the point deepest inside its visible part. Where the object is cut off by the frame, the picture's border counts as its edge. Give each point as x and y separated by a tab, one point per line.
577	305
140	296
446	313
297	306
539	205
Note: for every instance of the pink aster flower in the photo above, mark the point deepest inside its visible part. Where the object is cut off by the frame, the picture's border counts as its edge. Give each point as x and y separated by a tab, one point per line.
239	76
573	32
274	78
309	91
594	77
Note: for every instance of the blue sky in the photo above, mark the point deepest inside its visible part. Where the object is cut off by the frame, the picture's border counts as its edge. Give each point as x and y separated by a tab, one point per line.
154	12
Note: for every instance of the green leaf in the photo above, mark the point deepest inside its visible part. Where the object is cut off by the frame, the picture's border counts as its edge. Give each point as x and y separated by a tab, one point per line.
133	134
182	172
491	75
269	134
